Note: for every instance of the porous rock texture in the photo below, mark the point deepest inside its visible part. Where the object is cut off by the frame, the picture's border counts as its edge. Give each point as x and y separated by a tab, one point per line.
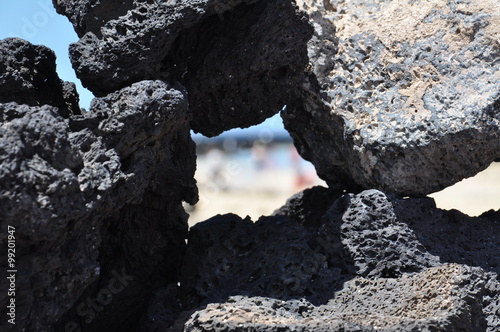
240	60
28	76
371	261
445	298
403	96
95	198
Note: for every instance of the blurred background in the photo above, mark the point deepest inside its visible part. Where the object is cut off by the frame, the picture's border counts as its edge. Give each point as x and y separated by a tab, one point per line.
249	171
245	171
254	171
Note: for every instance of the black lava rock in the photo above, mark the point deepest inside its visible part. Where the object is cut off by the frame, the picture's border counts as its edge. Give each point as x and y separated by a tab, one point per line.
28	76
374	261
96	204
446	298
236	72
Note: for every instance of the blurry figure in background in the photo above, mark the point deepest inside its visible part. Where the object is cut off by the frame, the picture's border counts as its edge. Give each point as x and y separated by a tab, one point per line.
303	178
259	155
216	160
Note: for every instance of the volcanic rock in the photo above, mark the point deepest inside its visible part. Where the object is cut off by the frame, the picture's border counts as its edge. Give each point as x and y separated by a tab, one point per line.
28	76
240	61
445	298
94	199
123	42
451	235
358	235
379	243
307	207
408	100
145	238
401	96
389	250
223	252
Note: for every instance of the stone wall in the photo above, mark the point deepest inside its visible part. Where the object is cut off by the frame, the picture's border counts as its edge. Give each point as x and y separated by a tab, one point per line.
391	101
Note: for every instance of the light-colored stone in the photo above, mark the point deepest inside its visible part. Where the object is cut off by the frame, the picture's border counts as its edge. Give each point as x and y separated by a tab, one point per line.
408	101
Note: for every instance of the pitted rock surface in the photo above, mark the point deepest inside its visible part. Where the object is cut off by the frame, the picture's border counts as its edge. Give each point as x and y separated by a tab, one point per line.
28	76
236	72
259	74
143	239
408	102
445	298
452	235
401	96
77	190
292	260
378	242
91	15
368	239
123	42
41	198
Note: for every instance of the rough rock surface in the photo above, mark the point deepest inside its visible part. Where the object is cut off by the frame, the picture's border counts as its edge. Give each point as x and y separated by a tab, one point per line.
95	199
399	95
445	298
145	239
408	100
125	41
28	76
236	72
379	244
388	249
452	235
293	260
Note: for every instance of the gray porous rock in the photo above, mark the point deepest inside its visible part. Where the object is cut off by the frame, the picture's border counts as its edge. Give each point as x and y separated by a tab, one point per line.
372	261
147	124
240	60
28	76
359	235
401	96
387	236
444	298
125	41
405	97
145	238
379	244
95	200
452	235
275	257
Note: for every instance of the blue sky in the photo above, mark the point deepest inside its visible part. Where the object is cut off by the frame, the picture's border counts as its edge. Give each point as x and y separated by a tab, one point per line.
38	22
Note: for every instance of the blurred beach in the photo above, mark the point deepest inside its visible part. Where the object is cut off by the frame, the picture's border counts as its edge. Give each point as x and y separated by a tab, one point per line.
255	181
251	181
253	172
474	195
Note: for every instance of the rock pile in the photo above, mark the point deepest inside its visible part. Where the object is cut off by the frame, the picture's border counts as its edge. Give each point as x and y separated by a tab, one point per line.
386	304
235	71
370	262
93	195
389	100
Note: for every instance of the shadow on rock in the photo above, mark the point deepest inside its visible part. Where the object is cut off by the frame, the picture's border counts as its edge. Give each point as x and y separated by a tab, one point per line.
330	261
451	235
